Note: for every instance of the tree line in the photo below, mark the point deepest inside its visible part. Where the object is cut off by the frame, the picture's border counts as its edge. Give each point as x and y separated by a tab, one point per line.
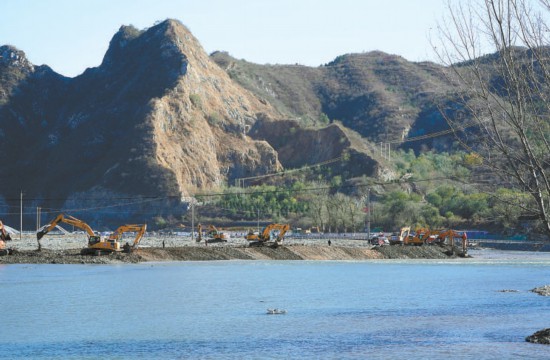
430	189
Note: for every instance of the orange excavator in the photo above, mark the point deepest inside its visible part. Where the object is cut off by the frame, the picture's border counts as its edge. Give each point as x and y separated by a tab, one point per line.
116	236
448	237
96	244
267	233
93	238
213	235
421	236
4	236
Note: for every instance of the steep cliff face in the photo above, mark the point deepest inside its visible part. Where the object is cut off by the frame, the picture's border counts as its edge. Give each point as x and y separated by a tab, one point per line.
199	124
156	118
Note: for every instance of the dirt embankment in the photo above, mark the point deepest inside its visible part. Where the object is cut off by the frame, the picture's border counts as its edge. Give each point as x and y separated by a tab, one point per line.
201	253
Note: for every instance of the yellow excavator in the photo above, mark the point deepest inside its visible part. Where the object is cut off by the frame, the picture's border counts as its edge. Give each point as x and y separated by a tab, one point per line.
267	233
93	238
96	244
399	238
4	236
213	235
116	236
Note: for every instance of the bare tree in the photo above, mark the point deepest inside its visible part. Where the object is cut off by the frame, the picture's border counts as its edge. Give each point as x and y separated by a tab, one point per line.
504	108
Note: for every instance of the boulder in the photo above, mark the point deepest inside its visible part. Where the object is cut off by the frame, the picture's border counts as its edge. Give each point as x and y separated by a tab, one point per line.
542	290
540	337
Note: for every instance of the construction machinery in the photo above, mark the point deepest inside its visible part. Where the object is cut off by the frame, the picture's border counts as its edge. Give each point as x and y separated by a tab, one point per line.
449	236
213	235
67	219
399	238
4	236
116	236
420	237
271	230
96	244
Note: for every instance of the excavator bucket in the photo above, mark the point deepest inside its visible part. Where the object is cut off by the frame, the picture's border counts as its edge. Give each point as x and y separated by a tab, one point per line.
40	234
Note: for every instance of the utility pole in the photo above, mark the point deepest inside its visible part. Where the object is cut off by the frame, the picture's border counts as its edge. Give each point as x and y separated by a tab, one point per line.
258	224
368	214
38	216
192	219
21	216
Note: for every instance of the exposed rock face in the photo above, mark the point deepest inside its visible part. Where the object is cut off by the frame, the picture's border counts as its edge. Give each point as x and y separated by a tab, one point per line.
156	118
297	146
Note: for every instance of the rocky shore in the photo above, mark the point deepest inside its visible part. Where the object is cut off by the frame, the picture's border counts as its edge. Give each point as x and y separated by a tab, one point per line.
542	336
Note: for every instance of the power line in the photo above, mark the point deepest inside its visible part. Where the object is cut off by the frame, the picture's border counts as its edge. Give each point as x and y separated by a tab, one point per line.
239	180
206	195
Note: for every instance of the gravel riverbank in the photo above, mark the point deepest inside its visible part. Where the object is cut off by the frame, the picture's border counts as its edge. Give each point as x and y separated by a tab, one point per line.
66	250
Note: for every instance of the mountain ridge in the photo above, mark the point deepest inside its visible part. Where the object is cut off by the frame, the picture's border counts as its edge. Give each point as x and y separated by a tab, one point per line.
160	118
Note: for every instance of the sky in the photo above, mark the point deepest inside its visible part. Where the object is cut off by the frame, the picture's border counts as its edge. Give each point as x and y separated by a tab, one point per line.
72	35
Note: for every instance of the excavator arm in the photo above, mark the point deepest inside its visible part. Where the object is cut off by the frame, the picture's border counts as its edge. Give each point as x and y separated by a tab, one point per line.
452	235
67	219
265	234
199	237
4	235
282	231
138	228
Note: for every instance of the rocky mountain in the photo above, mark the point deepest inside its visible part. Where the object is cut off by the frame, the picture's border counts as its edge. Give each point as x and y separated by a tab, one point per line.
157	121
383	97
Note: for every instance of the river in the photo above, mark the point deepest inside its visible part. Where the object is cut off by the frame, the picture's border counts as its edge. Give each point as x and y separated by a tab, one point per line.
413	309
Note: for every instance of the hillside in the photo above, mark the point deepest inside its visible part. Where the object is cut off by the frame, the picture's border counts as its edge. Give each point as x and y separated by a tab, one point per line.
382	97
155	122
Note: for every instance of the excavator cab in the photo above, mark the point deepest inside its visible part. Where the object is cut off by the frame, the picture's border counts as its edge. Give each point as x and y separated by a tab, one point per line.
94	239
272	230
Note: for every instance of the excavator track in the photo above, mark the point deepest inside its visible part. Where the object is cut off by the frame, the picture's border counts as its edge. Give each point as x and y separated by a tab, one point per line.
94	252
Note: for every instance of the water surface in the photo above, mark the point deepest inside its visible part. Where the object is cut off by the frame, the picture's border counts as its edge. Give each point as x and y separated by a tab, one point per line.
335	310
